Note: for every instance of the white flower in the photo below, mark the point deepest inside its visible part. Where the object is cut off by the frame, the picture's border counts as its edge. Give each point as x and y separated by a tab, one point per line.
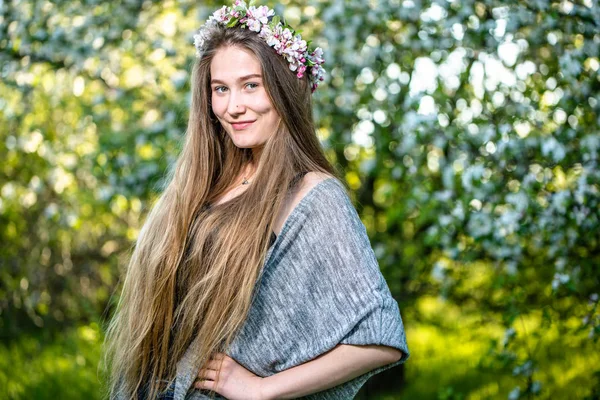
262	13
274	43
198	40
317	56
266	32
221	15
253	25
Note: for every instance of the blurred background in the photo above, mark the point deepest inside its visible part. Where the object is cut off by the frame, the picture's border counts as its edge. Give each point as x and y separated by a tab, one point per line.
468	132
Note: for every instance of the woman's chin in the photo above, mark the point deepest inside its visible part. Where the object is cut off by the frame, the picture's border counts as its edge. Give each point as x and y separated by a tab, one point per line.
245	144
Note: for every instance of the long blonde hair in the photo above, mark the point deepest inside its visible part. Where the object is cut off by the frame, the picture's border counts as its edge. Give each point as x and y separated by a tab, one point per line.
193	271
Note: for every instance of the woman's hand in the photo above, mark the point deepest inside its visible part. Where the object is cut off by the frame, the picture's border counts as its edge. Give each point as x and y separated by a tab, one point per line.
235	381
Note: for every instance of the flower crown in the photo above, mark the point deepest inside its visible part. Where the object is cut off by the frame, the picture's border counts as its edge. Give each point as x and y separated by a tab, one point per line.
276	34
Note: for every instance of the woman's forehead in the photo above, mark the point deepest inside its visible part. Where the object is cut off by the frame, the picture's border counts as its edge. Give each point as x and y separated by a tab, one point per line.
232	63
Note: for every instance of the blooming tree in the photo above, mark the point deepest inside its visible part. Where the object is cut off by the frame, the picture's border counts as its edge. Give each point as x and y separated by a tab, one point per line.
467	131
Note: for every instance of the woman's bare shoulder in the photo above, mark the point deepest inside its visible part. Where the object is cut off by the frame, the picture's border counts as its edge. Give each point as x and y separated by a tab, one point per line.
312	179
308	182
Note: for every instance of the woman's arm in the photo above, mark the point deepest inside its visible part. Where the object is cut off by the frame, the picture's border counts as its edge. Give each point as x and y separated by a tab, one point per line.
341	364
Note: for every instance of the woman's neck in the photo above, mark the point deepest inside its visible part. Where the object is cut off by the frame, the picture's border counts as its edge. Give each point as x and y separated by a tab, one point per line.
248	171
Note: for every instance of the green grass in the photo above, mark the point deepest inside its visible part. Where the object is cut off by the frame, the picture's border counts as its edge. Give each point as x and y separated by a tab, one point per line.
450	357
64	369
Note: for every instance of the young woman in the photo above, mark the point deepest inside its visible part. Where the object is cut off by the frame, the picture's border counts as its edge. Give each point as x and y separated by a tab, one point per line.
253	276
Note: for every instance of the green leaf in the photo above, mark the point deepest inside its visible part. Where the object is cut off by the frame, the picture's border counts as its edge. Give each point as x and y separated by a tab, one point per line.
233	23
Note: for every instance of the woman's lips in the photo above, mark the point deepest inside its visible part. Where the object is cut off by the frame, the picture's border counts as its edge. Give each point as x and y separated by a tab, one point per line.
241	125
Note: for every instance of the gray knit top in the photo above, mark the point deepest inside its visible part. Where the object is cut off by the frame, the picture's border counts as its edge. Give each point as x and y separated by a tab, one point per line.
320	286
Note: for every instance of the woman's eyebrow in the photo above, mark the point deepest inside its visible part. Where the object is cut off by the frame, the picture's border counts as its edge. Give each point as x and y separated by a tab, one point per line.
241	78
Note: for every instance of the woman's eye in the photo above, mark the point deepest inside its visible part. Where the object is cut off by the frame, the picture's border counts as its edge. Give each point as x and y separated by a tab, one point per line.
220	89
252	85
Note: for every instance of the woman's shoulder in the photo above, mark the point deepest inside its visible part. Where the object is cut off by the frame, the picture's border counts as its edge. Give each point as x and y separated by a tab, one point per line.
308	182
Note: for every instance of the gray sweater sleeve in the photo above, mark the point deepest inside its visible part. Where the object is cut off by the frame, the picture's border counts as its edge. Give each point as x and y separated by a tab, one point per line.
320	286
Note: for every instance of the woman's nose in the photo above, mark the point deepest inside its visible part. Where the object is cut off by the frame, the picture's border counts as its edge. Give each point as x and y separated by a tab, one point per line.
236	104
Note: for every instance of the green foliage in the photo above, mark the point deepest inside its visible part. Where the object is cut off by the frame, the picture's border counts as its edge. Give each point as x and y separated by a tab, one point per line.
65	368
468	132
452	356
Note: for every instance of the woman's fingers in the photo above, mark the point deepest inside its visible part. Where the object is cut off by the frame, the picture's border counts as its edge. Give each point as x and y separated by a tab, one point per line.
210	385
216	361
213	364
207	374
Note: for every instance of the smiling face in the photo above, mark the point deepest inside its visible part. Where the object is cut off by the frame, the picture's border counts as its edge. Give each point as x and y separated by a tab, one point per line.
239	98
